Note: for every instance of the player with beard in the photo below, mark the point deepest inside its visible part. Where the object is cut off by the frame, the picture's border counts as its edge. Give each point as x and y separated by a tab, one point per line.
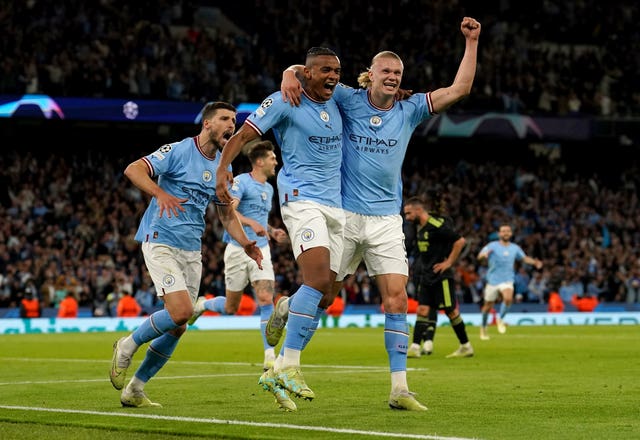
500	256
253	198
438	247
170	233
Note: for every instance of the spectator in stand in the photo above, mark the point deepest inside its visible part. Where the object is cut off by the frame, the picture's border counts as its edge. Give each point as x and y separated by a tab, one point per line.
556	305
412	305
570	287
30	306
247	305
351	290
47	290
584	303
61	290
335	310
68	307
145	296
100	306
521	285
538	287
597	286
127	305
632	286
600	91
470	279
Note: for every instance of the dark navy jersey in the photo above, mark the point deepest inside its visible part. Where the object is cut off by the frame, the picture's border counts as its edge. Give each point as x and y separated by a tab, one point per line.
434	242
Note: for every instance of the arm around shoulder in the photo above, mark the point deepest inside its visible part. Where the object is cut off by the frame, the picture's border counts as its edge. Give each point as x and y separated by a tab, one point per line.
290	86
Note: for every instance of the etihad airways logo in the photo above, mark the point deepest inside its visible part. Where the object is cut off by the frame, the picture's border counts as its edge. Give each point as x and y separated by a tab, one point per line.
325	139
372	142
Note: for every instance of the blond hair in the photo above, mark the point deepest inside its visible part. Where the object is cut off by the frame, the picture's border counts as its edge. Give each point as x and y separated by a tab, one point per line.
363	79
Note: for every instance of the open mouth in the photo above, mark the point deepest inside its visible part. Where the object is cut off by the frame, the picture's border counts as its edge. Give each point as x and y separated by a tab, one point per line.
227	135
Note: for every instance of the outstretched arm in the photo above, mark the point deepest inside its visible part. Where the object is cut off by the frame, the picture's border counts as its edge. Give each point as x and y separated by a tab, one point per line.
445	97
533	261
230	151
483	255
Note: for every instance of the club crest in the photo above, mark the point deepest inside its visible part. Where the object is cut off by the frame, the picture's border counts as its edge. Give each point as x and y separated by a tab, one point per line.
307	235
376	121
168	280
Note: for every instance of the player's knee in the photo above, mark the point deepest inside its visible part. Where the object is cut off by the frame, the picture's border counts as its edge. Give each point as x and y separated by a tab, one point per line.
181	316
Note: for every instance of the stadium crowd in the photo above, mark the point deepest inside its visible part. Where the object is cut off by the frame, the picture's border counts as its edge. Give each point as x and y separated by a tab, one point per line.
554	57
67	221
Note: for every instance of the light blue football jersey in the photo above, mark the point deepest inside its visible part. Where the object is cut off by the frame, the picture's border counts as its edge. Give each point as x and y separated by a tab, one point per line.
375	141
255	203
501	261
310	140
185	172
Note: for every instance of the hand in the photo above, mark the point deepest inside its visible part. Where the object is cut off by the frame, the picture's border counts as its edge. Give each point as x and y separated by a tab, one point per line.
291	88
223	179
254	252
403	94
470	28
169	204
279	235
441	267
259	230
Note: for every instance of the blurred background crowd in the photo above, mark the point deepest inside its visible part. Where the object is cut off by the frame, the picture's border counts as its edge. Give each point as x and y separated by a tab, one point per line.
67	220
68	223
550	57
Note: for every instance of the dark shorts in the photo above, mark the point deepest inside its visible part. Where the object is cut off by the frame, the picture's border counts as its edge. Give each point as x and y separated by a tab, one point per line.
439	295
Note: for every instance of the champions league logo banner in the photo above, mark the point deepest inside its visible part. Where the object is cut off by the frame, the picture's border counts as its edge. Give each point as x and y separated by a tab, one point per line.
117	110
495	125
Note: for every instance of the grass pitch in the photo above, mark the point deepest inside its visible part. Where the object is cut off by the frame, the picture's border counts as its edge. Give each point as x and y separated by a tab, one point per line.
553	382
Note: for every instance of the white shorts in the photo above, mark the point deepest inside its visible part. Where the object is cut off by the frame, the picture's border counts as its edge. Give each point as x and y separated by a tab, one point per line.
311	224
492	291
173	269
240	269
378	240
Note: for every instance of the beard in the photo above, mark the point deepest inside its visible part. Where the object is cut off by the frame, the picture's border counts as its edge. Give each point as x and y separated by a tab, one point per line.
218	146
